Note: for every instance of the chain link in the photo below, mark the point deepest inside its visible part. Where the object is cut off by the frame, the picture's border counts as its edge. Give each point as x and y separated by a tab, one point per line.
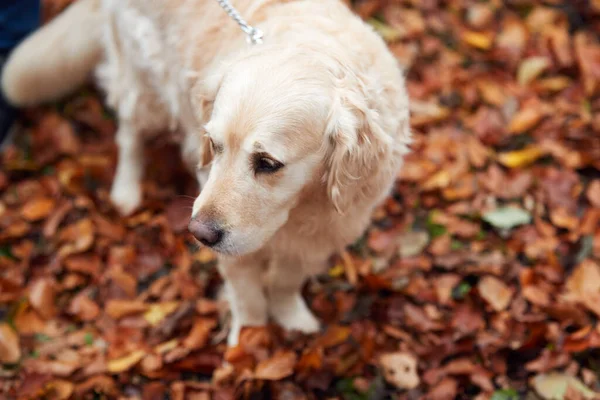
255	35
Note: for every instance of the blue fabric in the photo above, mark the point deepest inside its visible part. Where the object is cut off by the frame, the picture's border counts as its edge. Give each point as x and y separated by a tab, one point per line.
18	18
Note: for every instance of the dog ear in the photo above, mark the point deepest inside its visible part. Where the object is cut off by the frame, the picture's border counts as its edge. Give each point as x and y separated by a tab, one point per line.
357	142
203	96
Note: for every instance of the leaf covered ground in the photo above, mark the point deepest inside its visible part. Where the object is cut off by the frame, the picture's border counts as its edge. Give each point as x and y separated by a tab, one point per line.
479	277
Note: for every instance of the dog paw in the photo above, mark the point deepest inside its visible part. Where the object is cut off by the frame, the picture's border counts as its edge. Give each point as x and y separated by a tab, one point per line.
126	198
296	317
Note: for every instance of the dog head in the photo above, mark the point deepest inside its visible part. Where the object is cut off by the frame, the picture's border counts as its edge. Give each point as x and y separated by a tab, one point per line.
281	126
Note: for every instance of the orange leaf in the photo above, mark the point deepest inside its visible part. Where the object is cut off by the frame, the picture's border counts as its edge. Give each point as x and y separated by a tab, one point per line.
119	308
280	366
41	297
38	208
10	352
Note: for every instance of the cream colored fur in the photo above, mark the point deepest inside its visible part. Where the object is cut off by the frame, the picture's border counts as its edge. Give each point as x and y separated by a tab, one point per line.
323	95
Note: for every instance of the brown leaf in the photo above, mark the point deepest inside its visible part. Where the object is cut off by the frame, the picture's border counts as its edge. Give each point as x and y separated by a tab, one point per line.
280	366
593	193
525	119
80	237
60	389
200	333
119	308
84	308
494	292
42	297
10	351
38	208
584	285
125	363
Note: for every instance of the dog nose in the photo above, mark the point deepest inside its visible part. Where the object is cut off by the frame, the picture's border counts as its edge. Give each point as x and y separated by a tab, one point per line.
206	231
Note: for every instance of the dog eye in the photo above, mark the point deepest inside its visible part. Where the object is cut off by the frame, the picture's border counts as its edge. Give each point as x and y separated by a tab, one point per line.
265	165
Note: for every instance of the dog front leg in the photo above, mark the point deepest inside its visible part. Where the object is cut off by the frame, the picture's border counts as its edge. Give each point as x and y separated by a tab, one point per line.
286	304
126	191
244	291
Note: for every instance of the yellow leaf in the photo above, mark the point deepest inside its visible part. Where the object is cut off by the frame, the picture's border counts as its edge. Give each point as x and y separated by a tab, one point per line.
166	346
124	363
337	270
531	68
479	40
520	158
157	312
439	180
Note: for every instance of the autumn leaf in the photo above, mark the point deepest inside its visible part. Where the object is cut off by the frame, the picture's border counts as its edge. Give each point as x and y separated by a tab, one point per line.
119	308
125	363
531	68
38	208
280	366
521	158
42	298
10	351
495	292
157	312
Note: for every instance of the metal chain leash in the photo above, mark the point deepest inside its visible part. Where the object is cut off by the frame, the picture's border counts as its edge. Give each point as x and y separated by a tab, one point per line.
255	35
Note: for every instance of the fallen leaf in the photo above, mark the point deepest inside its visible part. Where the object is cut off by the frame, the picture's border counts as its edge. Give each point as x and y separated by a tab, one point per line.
84	308
593	193
507	217
521	158
157	312
525	119
10	351
494	292
412	243
554	385
530	68
200	334
478	40
125	363
400	370
60	389
280	366
584	285
119	308
37	209
42	297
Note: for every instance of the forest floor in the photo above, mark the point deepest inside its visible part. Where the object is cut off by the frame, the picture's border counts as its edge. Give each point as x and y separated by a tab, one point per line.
479	277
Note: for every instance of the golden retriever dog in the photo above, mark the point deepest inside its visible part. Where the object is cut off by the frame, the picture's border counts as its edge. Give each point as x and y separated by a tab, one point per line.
294	141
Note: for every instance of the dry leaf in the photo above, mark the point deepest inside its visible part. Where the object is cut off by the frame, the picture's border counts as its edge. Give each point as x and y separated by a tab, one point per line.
125	363
525	119
280	366
521	158
119	308
530	68
158	312
42	297
494	292
10	351
37	209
